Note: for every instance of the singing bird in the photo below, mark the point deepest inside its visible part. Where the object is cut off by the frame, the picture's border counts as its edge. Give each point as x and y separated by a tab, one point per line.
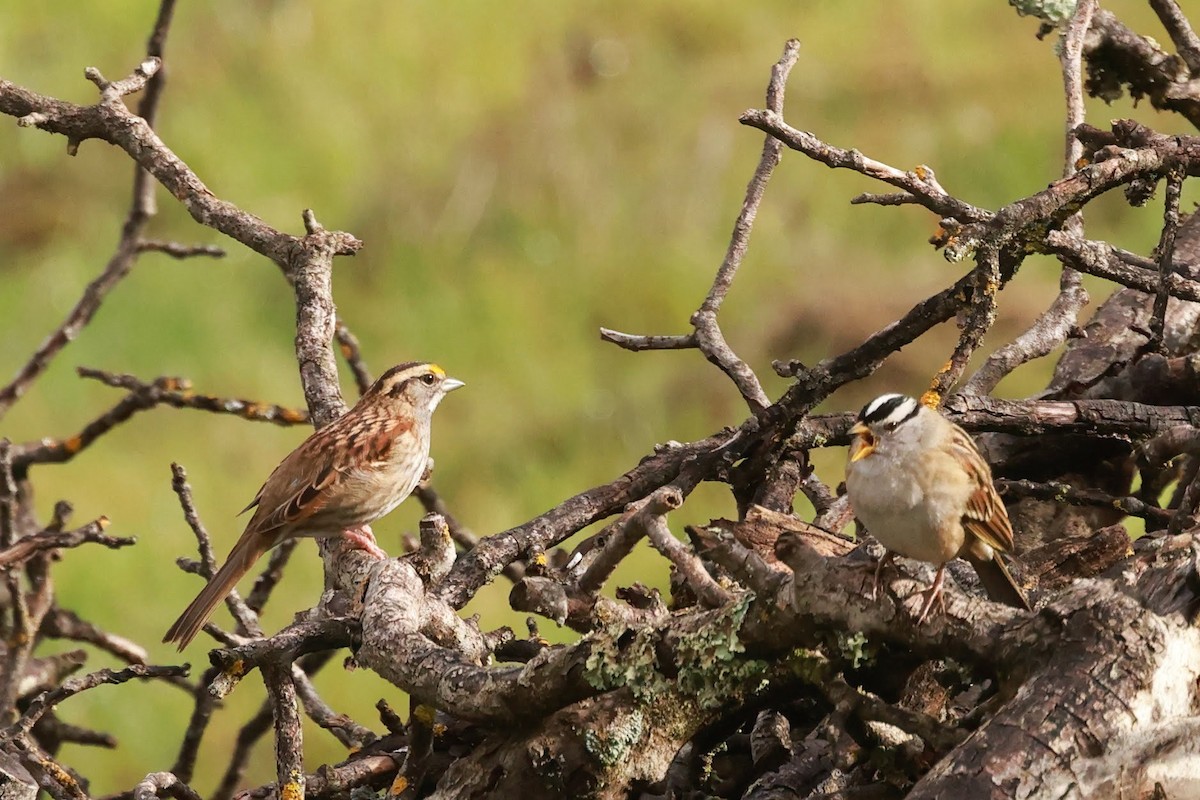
919	484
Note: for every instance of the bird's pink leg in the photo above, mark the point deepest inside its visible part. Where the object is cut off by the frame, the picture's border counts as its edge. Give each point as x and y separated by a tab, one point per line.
933	593
363	538
888	555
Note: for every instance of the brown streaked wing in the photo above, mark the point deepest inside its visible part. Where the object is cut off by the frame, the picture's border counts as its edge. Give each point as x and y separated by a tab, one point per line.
293	490
316	469
276	510
985	515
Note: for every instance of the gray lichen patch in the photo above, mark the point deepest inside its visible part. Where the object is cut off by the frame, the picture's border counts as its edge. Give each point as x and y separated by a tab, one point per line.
613	744
707	664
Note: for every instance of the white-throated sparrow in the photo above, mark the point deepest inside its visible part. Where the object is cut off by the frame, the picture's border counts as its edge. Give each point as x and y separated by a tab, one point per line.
920	486
338	481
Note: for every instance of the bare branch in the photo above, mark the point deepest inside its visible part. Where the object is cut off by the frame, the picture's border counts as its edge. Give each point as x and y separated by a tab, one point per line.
707	335
179	251
1187	43
1071	59
1166	254
915	183
79	316
158	784
352	352
8	496
246	617
174	392
48	700
1065	493
1058	321
978	322
344	729
651	518
64	624
289	747
638	342
91	533
1119	266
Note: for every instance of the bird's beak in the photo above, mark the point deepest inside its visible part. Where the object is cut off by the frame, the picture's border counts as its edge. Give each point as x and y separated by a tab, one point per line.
863	444
450	384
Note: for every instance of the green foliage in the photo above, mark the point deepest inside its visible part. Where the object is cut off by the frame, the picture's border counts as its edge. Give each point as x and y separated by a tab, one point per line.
519	179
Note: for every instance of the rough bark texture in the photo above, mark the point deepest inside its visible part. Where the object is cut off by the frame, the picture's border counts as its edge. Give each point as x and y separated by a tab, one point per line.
770	671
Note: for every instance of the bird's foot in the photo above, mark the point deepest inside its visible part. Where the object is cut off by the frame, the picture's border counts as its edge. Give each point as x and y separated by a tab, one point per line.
877	581
363	538
933	593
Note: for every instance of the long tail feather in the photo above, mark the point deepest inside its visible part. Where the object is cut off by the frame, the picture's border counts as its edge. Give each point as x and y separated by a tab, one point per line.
239	562
998	581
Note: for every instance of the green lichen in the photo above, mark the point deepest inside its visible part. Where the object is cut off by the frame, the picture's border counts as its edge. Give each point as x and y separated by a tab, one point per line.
620	658
1056	12
855	647
709	663
613	744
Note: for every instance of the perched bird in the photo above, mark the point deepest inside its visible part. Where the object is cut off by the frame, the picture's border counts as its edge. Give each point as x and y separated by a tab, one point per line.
918	483
339	480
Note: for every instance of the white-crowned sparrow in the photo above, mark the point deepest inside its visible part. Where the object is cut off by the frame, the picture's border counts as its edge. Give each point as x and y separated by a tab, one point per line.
920	486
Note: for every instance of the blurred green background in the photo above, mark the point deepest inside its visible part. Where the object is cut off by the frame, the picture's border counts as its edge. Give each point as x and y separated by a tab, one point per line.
520	176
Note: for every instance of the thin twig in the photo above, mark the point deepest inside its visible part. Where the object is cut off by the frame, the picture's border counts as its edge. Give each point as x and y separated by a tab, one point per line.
978	322
1119	266
345	730
1058	321
1065	493
1071	60
352	352
239	758
93	532
77	318
246	618
141	209
463	536
157	784
914	183
1166	254
269	578
48	700
707	335
709	592
289	747
1187	43
62	623
179	251
8	496
174	392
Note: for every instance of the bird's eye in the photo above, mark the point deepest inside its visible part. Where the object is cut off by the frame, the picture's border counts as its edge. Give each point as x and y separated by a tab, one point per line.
428	379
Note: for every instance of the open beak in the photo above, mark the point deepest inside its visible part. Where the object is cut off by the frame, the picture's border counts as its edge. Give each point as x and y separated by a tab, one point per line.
863	444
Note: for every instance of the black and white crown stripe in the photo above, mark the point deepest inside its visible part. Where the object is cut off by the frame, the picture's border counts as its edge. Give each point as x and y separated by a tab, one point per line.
890	410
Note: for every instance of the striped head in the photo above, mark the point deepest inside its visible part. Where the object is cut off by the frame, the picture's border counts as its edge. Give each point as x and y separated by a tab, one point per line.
418	385
883	418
